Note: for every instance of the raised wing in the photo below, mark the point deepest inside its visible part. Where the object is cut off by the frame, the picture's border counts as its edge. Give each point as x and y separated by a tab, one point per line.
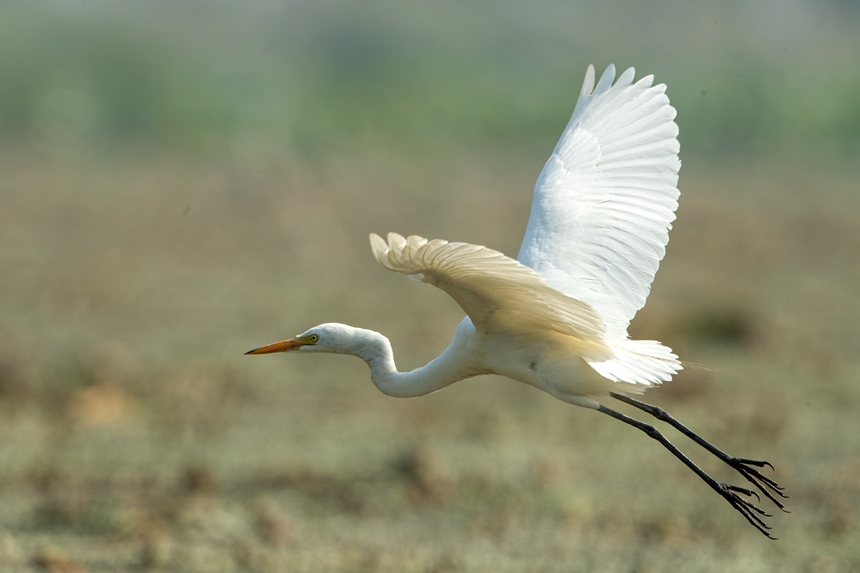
605	200
499	294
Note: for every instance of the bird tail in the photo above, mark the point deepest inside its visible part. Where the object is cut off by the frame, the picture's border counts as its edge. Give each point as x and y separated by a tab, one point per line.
644	362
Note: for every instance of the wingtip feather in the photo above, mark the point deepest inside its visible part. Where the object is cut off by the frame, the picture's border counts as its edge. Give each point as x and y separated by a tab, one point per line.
605	80
396	241
379	248
588	83
626	78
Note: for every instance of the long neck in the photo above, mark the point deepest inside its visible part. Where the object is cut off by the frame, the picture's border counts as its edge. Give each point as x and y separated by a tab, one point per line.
449	367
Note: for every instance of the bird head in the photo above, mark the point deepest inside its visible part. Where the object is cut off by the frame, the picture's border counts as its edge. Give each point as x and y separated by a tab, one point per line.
331	337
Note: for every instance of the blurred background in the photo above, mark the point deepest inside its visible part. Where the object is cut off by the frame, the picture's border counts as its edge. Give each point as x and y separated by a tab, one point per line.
183	181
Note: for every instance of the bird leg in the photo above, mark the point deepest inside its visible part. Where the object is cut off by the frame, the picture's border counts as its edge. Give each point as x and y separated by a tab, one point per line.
730	492
766	485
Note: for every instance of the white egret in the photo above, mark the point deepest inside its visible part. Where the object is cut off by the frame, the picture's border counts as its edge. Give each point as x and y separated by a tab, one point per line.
556	318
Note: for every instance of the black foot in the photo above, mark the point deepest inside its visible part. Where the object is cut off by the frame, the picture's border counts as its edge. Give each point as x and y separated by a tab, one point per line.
766	485
747	468
745	507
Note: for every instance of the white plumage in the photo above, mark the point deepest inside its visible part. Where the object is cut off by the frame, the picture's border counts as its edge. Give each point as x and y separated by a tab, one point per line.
605	200
557	318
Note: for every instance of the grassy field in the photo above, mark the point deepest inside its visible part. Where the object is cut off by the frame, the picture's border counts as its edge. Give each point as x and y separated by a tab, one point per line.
135	434
180	183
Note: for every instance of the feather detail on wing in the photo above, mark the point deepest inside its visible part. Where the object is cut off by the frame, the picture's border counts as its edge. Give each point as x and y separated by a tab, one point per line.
499	294
638	362
605	200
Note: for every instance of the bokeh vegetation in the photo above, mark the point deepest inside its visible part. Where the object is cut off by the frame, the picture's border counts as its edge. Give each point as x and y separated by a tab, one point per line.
182	181
746	77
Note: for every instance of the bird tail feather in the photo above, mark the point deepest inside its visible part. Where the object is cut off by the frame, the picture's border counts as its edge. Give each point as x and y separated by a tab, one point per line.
644	362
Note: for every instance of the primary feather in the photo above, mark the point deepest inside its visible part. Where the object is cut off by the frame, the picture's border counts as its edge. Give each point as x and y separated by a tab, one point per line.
605	200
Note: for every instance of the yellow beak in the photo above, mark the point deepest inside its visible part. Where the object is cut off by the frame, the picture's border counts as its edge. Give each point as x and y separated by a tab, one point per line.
282	346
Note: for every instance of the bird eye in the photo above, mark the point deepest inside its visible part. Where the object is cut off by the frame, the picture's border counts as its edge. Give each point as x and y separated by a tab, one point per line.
314	338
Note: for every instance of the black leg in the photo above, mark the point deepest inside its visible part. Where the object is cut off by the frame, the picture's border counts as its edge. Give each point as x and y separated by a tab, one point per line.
730	492
766	485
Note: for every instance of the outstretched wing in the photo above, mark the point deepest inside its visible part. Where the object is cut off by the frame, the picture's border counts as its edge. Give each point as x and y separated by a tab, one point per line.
605	200
499	294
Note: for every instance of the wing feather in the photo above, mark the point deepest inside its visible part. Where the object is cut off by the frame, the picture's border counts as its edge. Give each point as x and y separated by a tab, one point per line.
605	200
499	294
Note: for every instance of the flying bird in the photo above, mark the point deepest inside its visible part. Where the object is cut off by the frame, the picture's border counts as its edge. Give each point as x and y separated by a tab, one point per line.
556	318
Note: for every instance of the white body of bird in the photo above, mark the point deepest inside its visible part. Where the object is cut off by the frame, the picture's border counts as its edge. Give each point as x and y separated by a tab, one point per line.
557	317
